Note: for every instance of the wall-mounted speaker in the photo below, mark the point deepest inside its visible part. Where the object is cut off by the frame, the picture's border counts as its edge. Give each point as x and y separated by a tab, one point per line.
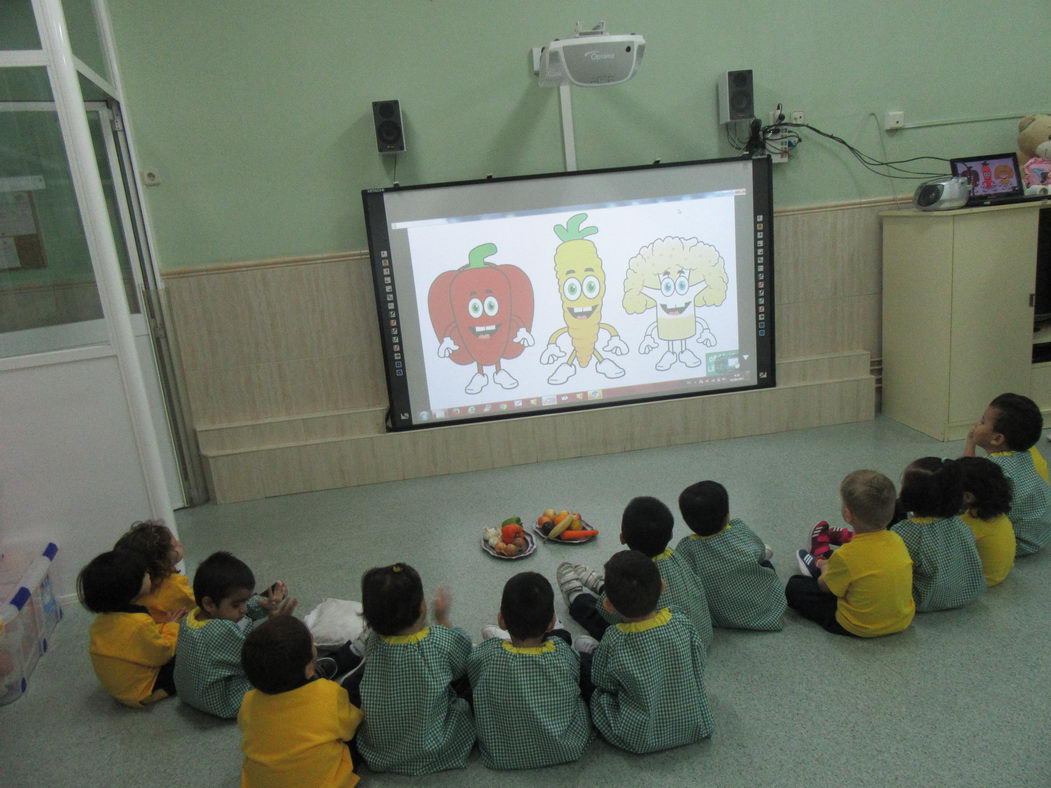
735	96
390	131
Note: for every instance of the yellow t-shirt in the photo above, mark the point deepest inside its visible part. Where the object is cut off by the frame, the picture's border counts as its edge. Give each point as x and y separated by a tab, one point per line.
127	651
872	576
172	595
995	540
296	738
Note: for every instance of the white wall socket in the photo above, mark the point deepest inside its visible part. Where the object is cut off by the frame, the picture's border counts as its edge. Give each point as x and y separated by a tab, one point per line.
798	116
893	121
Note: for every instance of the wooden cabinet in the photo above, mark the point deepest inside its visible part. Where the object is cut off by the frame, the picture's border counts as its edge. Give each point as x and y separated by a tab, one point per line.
957	313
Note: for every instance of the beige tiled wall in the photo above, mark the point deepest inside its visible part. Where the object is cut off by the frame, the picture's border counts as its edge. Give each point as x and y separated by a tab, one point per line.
286	355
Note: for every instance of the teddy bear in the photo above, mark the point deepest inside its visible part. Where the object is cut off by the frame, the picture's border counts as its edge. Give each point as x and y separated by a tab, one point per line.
1034	149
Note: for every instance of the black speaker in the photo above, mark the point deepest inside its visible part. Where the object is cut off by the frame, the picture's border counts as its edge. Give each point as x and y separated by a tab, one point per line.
736	100
390	131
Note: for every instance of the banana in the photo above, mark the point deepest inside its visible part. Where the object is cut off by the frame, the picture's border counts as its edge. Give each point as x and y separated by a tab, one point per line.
561	526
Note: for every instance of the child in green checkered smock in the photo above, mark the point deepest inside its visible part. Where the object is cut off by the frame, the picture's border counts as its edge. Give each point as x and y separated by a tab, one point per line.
208	672
528	708
1008	430
415	722
646	526
648	671
946	569
731	561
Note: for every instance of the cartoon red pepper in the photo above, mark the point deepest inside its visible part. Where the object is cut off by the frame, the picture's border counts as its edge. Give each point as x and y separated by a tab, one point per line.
482	313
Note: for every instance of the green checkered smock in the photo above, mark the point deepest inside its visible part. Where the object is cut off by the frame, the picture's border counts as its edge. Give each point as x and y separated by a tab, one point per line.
946	569
649	685
685	591
1031	503
414	721
527	704
741	593
208	673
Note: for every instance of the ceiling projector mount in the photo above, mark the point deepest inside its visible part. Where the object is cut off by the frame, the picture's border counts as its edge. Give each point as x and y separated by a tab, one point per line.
591	58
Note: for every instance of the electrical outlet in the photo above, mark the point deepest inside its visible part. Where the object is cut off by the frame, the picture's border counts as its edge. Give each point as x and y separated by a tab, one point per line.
893	121
777	116
798	116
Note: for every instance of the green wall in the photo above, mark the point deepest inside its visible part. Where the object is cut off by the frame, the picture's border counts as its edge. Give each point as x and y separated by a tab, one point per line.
257	115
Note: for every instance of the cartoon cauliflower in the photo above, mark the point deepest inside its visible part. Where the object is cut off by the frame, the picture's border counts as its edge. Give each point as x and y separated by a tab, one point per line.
581	285
482	313
673	276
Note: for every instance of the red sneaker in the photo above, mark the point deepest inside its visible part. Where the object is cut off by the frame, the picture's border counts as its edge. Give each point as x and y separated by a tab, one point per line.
820	541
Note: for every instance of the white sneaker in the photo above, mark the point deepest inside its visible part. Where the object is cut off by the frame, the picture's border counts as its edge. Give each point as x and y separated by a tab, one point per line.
769	552
490	631
585	644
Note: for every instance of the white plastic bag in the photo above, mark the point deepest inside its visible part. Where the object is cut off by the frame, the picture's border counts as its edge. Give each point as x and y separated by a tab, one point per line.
334	622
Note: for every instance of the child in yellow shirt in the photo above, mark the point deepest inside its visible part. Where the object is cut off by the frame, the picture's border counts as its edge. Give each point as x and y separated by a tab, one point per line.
294	726
133	655
865	588
171	592
987	495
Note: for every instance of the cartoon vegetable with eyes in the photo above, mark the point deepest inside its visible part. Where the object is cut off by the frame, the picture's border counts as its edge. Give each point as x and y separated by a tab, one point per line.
673	276
581	283
482	313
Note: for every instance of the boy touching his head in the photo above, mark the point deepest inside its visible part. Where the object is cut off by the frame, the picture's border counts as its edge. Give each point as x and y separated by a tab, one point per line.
1008	431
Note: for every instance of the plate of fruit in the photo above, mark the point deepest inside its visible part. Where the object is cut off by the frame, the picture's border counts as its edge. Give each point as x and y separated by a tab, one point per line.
564	526
510	540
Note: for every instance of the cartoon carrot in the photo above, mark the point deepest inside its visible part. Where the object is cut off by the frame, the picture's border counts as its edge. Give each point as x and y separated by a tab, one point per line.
581	284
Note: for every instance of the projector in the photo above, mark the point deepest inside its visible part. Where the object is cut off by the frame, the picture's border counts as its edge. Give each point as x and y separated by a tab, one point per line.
592	58
942	194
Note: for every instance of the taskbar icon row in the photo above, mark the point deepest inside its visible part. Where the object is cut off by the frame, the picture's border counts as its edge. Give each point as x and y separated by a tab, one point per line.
507	406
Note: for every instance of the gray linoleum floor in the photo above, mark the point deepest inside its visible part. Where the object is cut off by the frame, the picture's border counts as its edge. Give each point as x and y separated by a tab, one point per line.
961	698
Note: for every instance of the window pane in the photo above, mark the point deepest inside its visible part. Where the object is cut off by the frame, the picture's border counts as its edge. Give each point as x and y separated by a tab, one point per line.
17	25
84	35
46	278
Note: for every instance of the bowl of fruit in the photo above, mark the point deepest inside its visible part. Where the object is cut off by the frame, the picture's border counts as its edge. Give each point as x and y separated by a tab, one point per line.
564	526
510	540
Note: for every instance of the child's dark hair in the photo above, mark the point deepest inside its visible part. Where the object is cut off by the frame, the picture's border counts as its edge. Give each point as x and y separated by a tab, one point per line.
153	541
985	480
276	653
646	525
111	581
219	577
1018	420
633	583
932	487
391	597
528	605
704	507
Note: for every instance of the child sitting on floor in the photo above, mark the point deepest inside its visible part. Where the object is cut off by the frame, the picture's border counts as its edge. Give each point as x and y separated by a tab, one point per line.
732	562
865	588
132	654
987	496
294	726
415	723
946	569
648	671
646	526
208	672
1008	431
527	703
170	591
